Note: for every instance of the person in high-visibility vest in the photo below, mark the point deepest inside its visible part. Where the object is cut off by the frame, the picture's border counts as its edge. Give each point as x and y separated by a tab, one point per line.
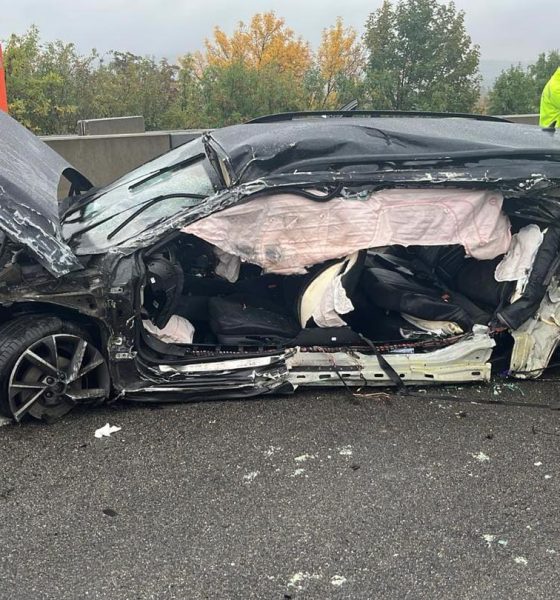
550	102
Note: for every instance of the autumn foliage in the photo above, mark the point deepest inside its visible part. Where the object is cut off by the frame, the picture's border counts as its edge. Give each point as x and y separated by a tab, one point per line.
412	54
265	41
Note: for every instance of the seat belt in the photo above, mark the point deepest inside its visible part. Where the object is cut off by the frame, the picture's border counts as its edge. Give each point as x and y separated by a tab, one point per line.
386	367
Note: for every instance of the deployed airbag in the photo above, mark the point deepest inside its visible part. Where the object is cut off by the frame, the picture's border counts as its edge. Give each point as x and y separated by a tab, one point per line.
177	331
286	233
518	262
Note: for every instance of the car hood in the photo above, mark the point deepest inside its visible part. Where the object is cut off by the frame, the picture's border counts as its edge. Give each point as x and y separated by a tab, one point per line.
29	175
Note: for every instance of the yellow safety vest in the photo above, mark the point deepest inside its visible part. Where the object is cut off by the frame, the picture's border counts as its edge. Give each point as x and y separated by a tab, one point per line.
550	102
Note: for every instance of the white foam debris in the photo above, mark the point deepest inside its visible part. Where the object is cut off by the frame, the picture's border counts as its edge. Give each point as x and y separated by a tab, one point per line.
250	476
345	451
548	476
271	450
338	580
106	430
481	457
298	472
550	551
538	463
304	457
490	538
521	560
297	579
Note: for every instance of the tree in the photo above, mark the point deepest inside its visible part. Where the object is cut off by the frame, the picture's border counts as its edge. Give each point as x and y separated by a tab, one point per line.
128	84
237	92
513	93
338	68
518	90
541	71
420	57
51	86
259	69
187	110
265	41
48	84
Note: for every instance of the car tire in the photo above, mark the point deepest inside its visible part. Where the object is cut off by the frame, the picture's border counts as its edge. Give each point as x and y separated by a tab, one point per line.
47	366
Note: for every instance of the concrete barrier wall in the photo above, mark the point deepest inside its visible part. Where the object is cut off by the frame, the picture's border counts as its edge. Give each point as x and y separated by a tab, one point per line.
104	158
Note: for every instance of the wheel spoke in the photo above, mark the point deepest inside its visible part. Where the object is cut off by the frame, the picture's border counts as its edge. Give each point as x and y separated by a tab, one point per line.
86	394
20	412
98	360
27	386
77	360
50	343
40	362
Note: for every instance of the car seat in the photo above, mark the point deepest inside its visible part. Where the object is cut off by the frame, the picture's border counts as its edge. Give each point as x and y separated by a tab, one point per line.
255	318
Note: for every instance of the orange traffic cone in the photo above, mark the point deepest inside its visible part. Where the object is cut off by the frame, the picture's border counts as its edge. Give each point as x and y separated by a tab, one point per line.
3	93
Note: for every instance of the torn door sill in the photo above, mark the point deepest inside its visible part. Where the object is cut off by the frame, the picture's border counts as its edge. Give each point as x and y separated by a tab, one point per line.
462	362
223	365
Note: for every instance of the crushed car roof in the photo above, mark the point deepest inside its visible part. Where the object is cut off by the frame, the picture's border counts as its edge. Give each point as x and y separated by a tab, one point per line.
265	148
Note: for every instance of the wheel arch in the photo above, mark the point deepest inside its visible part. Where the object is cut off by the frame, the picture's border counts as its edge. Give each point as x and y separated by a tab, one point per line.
97	328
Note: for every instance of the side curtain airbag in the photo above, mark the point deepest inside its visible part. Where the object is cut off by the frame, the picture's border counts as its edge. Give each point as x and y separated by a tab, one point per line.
285	233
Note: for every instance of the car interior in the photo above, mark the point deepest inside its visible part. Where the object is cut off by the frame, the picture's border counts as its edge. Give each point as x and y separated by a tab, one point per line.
398	295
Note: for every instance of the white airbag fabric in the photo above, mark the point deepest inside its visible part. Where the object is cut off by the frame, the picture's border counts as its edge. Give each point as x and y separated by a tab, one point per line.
228	265
334	302
285	233
325	298
518	262
177	331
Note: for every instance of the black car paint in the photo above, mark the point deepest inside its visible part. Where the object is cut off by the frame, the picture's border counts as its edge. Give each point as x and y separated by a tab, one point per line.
105	293
29	213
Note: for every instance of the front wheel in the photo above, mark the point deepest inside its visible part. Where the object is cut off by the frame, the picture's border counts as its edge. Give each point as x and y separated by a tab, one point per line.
47	366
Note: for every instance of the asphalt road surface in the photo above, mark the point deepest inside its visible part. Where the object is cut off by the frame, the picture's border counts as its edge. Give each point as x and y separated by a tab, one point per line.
319	495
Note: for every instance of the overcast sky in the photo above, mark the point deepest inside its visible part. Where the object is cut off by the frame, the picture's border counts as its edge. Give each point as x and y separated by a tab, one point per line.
511	30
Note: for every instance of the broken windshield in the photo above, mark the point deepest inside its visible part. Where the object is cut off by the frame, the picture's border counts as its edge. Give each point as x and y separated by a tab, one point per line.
179	179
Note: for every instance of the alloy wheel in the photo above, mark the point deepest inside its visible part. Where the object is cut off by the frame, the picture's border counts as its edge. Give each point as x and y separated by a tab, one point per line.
54	374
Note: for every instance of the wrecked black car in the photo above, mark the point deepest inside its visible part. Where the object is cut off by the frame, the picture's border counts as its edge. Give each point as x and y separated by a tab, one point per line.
341	248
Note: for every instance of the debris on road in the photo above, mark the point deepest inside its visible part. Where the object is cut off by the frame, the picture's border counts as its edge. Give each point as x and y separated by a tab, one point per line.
481	457
297	579
106	430
304	457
